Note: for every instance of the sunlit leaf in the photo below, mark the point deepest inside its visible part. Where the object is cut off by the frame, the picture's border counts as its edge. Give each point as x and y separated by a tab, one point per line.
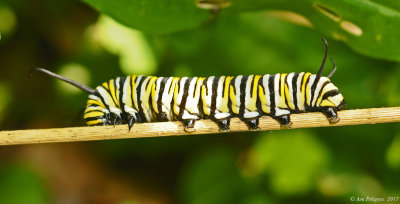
156	16
367	27
136	56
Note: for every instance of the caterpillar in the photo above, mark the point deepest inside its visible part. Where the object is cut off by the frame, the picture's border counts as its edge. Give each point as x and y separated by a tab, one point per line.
137	99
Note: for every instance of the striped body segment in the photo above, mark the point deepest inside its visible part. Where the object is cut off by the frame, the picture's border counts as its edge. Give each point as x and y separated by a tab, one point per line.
135	99
138	99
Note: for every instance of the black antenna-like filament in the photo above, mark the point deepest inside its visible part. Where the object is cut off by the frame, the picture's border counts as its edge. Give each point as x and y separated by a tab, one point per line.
324	60
334	69
69	81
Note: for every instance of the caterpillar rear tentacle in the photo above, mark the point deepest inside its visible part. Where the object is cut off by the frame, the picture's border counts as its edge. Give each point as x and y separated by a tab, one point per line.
137	99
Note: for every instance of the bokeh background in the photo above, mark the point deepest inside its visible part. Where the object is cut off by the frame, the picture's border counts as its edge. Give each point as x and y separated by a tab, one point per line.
97	40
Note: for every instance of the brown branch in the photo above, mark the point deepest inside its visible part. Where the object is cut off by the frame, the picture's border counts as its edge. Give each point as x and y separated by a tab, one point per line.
303	120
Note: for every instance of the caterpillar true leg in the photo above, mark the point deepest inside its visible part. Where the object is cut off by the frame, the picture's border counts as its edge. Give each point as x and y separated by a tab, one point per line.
223	124
252	123
188	125
331	114
284	120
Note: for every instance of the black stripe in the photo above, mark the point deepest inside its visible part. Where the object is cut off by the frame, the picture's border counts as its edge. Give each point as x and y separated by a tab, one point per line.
109	92
251	86
94	105
184	96
333	92
280	84
172	82
223	87
93	118
138	90
91	111
103	100
305	93
160	95
121	92
131	87
313	87
294	93
322	88
242	95
116	96
260	83
284	95
271	87
214	95
232	84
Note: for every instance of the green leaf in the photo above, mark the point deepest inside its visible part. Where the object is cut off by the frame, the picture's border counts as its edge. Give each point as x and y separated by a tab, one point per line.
155	16
370	28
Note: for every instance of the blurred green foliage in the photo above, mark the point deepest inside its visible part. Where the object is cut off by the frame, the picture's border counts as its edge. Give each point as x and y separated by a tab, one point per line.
20	184
178	38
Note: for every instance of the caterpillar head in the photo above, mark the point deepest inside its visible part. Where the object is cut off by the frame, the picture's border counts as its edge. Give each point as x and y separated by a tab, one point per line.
332	99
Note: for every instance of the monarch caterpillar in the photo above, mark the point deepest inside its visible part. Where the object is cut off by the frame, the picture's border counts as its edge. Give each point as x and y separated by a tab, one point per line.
138	99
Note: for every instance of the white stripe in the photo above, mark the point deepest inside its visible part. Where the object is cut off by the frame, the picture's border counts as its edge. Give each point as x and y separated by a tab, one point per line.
266	89
247	93
276	91
106	96
300	104
220	89
237	87
144	101
289	79
322	80
310	82
191	100
166	98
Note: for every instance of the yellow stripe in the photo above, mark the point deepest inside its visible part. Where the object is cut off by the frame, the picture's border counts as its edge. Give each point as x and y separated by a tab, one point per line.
308	93
197	91
176	95
224	108
281	102
105	84
94	102
127	100
206	110
94	122
232	96
133	92
302	92
146	94
263	99
289	97
252	105
153	97
320	96
93	114
113	92
173	85
327	103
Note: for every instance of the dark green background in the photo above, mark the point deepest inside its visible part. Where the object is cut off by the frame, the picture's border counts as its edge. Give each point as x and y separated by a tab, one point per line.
177	38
